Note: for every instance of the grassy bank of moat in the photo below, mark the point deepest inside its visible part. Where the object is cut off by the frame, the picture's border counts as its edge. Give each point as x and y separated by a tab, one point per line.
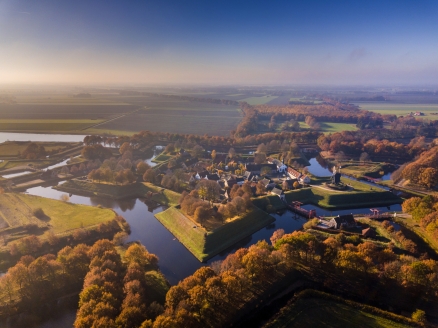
139	189
205	244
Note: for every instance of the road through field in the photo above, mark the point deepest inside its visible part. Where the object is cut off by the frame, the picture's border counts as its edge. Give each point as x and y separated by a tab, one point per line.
112	119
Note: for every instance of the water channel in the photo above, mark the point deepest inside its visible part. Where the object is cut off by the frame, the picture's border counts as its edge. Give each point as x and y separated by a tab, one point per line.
175	261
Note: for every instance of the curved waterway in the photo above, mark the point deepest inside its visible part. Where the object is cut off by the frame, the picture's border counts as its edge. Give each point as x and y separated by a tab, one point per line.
176	262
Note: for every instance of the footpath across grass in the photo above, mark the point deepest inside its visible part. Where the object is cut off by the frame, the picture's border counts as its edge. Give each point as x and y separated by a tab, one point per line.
205	244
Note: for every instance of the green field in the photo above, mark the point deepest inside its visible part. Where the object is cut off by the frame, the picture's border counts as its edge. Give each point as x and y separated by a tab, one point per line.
330	127
205	244
164	115
17	211
400	109
259	100
318	312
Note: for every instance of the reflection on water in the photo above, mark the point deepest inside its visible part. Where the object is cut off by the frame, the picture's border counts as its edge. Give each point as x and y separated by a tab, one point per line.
318	167
6	176
386	176
64	162
363	210
176	262
154	153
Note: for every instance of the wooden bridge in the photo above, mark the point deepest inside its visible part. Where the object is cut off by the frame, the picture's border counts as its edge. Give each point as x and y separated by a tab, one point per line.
296	208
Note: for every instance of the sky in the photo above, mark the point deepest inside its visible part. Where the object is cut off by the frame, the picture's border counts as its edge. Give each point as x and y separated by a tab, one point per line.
219	42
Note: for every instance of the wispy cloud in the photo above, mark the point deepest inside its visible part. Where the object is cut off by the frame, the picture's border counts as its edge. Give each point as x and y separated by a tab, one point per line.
357	54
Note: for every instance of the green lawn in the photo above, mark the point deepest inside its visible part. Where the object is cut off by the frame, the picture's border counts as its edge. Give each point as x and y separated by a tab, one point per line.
205	244
317	312
400	109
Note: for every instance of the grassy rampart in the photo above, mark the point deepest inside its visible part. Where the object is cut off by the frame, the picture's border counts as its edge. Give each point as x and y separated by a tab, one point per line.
145	189
205	244
88	188
338	200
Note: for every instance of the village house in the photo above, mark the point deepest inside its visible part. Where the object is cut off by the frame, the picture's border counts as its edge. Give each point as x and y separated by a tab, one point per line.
294	174
281	167
304	179
369	233
232	180
279	193
265	181
346	221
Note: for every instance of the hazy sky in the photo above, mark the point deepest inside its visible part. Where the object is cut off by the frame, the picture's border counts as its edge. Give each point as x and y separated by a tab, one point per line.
219	42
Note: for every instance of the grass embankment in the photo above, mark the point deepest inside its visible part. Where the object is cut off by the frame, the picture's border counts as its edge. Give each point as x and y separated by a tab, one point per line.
88	188
338	200
161	195
316	309
364	169
205	244
163	157
360	195
17	213
145	189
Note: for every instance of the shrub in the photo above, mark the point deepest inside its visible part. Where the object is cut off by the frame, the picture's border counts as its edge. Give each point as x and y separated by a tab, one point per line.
39	213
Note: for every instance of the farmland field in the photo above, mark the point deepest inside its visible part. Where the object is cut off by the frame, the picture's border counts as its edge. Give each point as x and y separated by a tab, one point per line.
104	113
400	109
332	127
177	116
259	100
62	112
